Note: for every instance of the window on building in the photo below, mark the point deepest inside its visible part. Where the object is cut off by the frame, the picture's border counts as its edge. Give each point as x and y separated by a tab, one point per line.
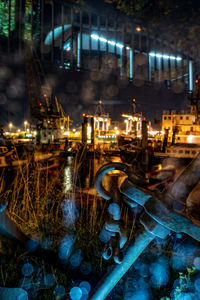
187	151
169	118
181	118
165	118
174	151
191	128
193	152
180	151
179	138
187	118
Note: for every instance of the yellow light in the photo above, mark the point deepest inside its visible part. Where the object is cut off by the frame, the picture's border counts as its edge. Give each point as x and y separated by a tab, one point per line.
18	130
25	123
138	29
28	130
62	127
74	130
117	132
115	128
10	125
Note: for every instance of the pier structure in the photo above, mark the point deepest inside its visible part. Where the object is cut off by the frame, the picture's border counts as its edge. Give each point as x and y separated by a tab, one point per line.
95	125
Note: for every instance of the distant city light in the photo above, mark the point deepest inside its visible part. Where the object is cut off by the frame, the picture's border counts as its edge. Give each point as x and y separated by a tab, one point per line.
138	29
190	138
165	56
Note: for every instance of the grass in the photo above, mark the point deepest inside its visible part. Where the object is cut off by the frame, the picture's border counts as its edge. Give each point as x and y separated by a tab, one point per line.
34	204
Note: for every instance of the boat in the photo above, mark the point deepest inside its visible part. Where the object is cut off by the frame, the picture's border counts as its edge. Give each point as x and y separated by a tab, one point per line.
9	158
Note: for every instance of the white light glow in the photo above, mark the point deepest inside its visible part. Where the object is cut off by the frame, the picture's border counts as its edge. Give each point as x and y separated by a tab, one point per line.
165	56
102	39
119	45
94	36
190	138
111	43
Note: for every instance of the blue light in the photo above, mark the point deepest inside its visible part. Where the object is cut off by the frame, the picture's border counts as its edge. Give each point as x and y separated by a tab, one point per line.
3	206
197	285
119	45
196	263
31	245
190	76
153	54
86	285
75	293
57	34
114	210
25	283
70	212
75	259
104	236
46	243
27	269
94	36
112	43
102	39
84	293
66	246
59	291
49	279
160	274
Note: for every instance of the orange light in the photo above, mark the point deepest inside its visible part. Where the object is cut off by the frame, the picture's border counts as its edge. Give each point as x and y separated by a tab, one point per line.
45	95
40	104
138	29
134	100
100	101
83	114
196	81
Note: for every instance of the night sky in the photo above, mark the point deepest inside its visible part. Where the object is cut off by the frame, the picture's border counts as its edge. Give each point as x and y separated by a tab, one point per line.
78	92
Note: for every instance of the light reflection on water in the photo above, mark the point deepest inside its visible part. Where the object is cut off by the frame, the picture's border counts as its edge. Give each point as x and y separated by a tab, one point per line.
84	177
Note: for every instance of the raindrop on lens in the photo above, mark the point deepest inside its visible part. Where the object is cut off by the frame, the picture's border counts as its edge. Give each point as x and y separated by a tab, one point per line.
86	285
196	263
27	269
75	259
75	293
59	291
85	268
49	279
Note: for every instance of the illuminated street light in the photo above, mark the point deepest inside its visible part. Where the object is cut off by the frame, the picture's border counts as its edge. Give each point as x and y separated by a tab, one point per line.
10	126
25	124
62	127
138	29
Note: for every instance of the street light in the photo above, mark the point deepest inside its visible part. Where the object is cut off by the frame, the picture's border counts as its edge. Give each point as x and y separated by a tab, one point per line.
10	126
25	124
